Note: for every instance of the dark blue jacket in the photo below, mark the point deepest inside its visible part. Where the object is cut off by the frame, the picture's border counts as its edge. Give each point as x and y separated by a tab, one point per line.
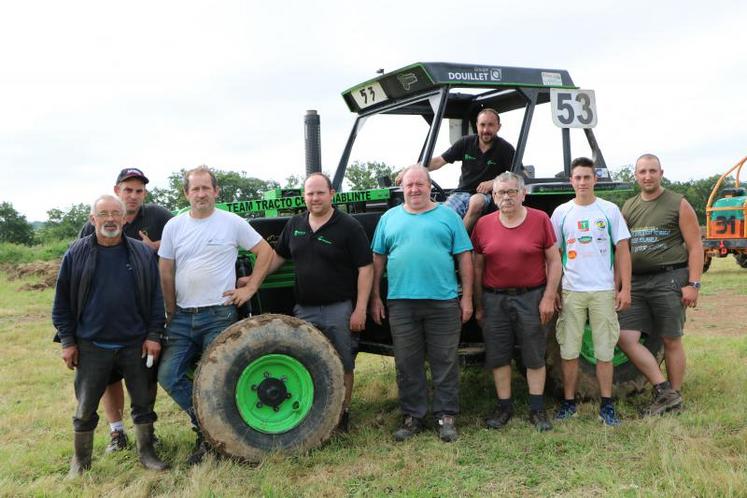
74	283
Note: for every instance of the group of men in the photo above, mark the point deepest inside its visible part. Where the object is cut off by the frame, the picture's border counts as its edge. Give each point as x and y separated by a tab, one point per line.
139	280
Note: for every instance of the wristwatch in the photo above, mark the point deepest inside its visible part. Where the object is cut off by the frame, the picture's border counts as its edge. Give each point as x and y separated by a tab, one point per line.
694	285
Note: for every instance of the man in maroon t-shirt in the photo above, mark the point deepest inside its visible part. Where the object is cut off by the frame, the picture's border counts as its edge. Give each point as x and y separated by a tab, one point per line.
517	272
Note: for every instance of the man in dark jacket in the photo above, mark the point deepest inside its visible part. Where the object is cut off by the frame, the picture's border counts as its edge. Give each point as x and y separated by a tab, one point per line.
109	314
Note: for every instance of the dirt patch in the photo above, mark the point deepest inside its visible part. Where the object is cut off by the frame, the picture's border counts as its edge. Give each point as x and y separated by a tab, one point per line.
722	314
45	273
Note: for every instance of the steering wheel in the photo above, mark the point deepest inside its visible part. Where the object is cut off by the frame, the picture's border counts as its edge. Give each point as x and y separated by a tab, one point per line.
437	193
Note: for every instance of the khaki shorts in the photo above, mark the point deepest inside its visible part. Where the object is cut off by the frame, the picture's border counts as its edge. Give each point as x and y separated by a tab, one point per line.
599	306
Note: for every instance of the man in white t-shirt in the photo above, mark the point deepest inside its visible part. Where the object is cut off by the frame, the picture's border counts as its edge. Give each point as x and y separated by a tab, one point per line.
198	276
594	249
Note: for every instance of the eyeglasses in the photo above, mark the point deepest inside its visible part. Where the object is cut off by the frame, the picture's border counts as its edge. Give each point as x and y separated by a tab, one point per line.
511	192
107	214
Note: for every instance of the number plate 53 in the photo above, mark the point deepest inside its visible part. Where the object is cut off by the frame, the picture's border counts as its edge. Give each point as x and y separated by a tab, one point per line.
573	108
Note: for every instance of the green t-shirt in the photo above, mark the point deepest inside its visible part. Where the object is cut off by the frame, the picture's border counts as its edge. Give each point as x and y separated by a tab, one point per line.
656	239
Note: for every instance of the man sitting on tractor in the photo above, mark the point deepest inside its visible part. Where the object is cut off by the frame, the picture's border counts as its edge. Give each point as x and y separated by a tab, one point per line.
484	156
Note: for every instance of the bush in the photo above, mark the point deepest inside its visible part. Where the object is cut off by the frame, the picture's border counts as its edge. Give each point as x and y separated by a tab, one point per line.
16	254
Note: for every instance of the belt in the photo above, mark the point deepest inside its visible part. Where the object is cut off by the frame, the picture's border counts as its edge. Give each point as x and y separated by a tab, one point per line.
661	269
198	309
512	291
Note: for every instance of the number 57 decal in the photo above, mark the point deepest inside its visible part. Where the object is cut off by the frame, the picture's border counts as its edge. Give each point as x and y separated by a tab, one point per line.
573	108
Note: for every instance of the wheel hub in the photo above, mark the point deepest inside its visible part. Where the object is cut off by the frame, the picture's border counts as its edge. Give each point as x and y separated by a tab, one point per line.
272	392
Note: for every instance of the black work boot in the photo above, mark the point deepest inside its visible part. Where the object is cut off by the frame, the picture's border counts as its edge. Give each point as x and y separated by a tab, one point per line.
83	444
145	451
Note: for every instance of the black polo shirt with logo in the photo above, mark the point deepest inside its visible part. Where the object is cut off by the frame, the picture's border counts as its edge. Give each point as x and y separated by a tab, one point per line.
150	218
477	166
327	260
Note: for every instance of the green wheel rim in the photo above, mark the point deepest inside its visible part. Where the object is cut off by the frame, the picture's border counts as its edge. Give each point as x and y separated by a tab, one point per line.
587	350
274	393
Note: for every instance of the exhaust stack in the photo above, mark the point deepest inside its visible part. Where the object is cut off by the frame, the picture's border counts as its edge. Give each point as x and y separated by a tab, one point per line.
312	141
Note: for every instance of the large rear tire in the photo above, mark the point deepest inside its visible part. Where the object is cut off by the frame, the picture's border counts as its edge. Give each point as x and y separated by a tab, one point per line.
741	260
272	383
627	379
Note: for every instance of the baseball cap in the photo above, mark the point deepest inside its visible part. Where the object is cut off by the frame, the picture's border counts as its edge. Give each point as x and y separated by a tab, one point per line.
131	173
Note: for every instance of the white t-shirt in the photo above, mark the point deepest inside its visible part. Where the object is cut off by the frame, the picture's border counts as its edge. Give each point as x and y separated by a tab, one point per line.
204	253
587	236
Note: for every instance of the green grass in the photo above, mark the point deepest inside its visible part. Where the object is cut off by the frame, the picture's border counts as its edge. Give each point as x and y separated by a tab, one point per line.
701	452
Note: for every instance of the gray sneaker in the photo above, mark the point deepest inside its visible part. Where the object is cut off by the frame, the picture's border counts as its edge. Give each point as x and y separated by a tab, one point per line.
666	399
446	430
118	442
410	426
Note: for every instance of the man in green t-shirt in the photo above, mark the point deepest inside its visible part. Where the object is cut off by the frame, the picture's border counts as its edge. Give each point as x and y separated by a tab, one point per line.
667	258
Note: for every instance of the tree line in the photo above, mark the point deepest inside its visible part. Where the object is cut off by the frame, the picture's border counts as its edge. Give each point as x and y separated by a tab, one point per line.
65	224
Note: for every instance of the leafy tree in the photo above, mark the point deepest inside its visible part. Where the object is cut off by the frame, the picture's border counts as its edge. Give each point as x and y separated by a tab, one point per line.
13	226
64	225
294	181
365	175
233	186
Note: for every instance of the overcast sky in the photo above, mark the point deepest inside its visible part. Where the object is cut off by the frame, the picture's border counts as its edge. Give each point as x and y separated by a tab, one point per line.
90	87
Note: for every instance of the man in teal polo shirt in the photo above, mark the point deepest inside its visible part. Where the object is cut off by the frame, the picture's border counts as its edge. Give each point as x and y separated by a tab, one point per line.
417	243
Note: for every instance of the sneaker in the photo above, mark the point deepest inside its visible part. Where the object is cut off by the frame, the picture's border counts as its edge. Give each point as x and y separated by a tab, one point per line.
446	430
565	411
410	426
499	418
608	416
118	442
665	399
539	419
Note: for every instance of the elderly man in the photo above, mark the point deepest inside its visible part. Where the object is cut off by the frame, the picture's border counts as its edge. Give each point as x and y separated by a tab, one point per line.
108	312
334	271
417	243
517	272
667	256
142	222
483	157
596	283
198	275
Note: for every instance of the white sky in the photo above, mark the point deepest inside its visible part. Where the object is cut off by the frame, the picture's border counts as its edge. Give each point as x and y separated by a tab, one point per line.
90	87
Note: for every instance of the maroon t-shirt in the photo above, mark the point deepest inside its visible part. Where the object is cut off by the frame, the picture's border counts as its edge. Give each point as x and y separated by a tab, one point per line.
513	257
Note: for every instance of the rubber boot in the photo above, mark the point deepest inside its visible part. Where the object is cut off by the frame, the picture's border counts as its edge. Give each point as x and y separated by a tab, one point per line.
83	444
144	435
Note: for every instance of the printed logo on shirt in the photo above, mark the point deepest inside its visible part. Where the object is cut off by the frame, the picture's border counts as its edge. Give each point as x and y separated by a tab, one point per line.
571	254
583	225
490	163
585	239
600	224
467	157
571	241
299	233
322	239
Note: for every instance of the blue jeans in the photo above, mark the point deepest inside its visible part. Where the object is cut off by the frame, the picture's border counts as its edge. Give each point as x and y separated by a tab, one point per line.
187	336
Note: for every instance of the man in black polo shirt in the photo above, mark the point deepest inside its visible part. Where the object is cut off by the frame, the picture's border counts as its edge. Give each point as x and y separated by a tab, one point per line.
334	272
484	156
143	222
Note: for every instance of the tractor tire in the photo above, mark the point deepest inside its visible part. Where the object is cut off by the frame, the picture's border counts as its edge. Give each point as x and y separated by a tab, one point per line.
271	383
741	259
707	263
627	378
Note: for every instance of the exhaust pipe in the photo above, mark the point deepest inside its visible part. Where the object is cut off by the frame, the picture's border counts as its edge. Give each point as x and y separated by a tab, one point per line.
313	142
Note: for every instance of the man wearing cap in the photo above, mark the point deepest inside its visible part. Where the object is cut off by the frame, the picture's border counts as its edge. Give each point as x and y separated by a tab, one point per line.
143	222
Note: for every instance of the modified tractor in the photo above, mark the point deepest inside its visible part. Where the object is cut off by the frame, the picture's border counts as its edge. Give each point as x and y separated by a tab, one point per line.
272	382
726	220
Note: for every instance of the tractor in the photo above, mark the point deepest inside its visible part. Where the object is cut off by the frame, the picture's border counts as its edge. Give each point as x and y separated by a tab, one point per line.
726	220
273	383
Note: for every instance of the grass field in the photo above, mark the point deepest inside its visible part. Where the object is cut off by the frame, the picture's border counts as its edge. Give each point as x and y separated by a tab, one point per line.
700	452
